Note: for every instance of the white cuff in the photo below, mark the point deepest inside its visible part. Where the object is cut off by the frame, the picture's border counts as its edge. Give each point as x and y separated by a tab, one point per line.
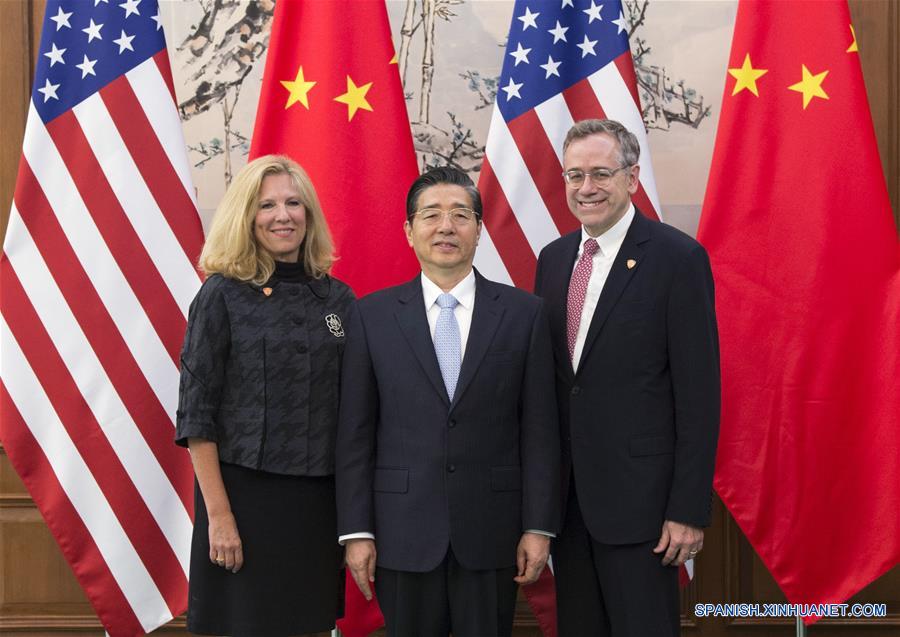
355	536
539	532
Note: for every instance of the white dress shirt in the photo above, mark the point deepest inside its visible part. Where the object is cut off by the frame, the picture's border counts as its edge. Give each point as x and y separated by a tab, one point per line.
464	291
609	242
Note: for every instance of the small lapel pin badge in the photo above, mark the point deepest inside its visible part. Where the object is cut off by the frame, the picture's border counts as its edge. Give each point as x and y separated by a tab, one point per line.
630	264
333	321
267	291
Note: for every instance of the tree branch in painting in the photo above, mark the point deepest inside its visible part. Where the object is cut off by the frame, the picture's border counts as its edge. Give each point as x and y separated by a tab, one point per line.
484	87
216	58
663	102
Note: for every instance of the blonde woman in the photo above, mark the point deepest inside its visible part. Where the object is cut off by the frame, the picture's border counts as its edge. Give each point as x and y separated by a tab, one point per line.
258	410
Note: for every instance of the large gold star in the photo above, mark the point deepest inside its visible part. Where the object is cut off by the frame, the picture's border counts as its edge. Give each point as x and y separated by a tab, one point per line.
355	98
810	86
746	77
853	48
298	90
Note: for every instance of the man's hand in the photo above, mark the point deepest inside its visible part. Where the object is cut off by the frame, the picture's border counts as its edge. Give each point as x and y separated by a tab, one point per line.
680	542
225	542
531	557
360	557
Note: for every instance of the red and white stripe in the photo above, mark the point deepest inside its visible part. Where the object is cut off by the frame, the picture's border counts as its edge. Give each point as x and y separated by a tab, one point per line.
97	276
521	178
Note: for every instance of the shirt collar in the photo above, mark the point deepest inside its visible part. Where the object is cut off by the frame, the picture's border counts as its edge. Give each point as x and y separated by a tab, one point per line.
612	239
464	291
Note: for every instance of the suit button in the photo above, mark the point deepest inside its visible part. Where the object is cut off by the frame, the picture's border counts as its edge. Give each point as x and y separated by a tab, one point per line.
451	468
451	424
298	320
576	390
301	348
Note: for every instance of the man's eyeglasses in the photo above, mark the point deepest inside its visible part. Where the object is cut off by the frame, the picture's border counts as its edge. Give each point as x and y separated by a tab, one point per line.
457	216
600	176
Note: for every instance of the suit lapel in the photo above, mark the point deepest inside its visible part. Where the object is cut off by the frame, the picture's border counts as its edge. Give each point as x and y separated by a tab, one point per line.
556	292
486	317
414	326
620	276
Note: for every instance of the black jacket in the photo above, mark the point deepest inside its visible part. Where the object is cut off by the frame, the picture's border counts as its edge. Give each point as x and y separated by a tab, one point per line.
260	372
640	418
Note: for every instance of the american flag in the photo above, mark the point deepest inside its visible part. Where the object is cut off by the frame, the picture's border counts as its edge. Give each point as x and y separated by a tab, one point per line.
97	275
565	60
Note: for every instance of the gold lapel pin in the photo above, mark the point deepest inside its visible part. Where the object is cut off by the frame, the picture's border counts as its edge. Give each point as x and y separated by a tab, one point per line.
630	263
267	291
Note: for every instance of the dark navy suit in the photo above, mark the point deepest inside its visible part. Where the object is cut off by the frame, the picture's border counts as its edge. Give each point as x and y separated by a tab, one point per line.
427	475
639	417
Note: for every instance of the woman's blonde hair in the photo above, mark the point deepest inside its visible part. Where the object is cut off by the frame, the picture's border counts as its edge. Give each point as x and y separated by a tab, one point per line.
231	248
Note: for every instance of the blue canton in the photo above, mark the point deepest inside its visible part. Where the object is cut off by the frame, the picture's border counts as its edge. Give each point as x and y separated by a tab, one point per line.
90	44
554	44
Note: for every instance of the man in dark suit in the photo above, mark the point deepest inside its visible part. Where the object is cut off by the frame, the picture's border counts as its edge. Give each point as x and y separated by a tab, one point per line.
634	334
448	441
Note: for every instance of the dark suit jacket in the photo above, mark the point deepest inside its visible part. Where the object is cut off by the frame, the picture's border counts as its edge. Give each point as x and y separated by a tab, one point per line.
425	474
639	419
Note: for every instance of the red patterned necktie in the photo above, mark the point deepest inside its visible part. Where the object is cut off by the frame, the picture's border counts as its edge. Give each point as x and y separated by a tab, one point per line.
577	289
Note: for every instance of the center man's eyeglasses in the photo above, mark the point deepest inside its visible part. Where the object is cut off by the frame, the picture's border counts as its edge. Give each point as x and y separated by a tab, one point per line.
457	216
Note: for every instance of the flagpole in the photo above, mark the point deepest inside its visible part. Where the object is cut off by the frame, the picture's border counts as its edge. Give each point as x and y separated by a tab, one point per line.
801	627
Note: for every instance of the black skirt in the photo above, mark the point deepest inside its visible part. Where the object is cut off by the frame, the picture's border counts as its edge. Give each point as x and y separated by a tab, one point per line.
291	582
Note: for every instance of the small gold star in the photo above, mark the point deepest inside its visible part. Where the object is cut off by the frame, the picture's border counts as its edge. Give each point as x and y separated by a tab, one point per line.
299	90
810	86
394	59
853	48
355	98
746	77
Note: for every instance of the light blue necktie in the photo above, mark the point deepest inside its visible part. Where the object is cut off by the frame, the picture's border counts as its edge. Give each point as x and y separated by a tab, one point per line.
447	342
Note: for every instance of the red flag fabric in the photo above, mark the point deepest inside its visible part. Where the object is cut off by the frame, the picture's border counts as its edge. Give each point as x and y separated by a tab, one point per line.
805	256
97	275
332	100
361	617
541	598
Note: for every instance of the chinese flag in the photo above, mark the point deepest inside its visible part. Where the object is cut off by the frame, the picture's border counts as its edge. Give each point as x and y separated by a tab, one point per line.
331	99
805	256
